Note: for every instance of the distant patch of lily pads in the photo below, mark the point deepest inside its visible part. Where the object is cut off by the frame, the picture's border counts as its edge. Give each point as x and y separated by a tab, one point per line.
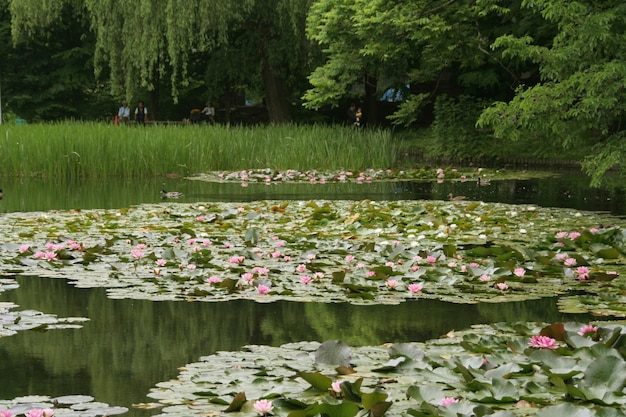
64	406
12	321
501	370
270	176
361	252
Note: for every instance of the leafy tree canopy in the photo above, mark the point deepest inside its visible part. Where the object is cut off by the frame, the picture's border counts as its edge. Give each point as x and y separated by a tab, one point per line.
582	88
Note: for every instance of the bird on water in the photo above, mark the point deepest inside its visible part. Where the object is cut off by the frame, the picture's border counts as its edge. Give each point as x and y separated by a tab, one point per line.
453	197
170	194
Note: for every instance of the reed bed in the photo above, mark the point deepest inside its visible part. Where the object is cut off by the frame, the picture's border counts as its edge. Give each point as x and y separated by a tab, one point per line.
93	150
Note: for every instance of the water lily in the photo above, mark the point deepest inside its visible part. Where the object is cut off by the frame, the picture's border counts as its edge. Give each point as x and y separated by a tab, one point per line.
191	267
569	262
248	277
349	258
301	268
213	280
574	235
263	407
336	386
24	248
6	413
484	278
261	270
519	272
543	342
448	401
502	286
415	288
137	253
583	273
263	289
161	262
588	330
236	259
305	279
318	275
391	284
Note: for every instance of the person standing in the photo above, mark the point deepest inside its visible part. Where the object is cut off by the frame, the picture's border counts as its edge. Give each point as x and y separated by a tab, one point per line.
123	114
208	113
141	113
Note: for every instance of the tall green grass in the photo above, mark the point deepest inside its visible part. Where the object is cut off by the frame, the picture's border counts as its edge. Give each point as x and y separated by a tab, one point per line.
95	150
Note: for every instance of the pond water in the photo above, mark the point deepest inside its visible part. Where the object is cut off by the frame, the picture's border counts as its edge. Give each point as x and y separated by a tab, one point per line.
128	346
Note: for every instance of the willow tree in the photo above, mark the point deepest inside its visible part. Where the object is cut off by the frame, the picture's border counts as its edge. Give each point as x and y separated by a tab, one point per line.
139	42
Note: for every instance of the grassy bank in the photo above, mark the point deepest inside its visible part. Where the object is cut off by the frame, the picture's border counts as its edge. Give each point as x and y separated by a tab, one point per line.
102	150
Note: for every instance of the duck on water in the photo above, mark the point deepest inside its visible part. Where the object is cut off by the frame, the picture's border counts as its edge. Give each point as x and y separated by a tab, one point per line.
170	194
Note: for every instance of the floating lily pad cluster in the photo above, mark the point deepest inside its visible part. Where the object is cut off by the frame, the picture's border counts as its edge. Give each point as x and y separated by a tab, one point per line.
12	321
65	406
360	252
502	370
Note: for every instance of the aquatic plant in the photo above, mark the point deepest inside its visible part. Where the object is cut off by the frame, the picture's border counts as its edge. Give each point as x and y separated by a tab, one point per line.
363	252
485	370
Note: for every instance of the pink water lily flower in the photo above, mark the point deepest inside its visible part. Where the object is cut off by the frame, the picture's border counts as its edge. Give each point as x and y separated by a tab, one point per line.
543	342
6	413
415	288
574	235
448	401
236	259
519	272
261	270
191	267
263	407
349	258
569	262
137	254
248	277
391	284
583	273
213	280
502	286
24	248
305	279
588	330
301	268
263	289
336	386
484	278
161	262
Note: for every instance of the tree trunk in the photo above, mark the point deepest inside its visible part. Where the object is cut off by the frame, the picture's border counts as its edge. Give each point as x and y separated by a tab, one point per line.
154	104
371	101
275	100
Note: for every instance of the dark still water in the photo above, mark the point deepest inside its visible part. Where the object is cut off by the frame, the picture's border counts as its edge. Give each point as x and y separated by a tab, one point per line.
568	189
128	346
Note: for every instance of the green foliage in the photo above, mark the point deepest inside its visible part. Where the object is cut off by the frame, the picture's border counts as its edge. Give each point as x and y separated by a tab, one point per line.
582	94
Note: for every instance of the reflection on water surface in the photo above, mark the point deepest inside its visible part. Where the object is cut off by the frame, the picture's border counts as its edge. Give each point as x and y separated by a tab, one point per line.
130	345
